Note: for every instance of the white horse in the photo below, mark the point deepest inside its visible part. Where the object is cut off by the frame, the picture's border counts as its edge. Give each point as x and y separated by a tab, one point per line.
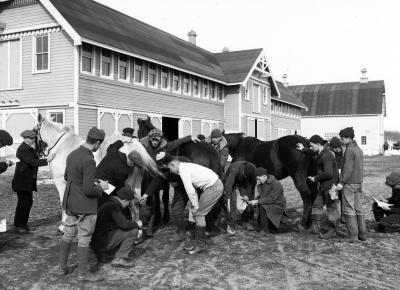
61	142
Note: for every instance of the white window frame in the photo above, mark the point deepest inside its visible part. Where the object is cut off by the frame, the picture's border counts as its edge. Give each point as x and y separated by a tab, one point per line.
179	82
363	143
198	95
156	116
207	96
93	61
246	93
189	84
168	78
56	111
180	126
9	88
156	75
258	98
34	59
111	65
127	68
215	98
265	96
222	88
134	72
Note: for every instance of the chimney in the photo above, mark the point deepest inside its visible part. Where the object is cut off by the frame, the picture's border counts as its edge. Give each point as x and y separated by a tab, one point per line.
284	80
225	49
192	37
364	78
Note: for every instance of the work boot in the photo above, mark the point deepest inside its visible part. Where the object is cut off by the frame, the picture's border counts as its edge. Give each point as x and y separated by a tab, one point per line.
352	227
331	233
262	233
315	225
84	275
200	243
180	228
122	263
63	258
230	231
362	229
190	243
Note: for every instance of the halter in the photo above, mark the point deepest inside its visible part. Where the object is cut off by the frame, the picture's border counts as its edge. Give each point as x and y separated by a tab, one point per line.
41	150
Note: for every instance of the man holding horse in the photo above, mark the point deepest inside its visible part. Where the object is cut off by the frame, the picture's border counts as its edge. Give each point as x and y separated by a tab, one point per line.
220	144
80	203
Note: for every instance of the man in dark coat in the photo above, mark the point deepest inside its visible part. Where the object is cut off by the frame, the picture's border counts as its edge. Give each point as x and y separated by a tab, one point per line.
271	201
154	144
80	203
5	140
220	144
25	177
114	230
240	177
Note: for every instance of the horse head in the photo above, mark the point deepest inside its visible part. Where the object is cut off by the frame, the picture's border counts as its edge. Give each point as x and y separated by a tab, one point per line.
234	140
145	126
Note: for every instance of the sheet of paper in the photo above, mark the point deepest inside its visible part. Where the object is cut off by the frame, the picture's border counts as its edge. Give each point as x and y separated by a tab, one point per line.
110	189
3	226
382	204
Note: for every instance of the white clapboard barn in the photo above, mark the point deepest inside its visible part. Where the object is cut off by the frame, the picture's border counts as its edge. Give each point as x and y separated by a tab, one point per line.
334	106
84	64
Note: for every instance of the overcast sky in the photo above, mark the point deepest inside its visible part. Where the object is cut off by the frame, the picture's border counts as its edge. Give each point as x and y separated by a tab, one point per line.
313	41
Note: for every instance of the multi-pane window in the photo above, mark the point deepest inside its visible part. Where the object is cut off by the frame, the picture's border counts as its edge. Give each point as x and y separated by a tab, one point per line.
176	81
138	71
205	89
186	84
266	95
363	140
87	58
256	99
196	89
123	67
220	93
164	78
106	63
57	117
10	64
42	53
213	91
152	75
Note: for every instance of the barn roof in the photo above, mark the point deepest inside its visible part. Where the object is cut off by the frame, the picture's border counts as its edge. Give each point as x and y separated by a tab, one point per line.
350	98
96	22
287	96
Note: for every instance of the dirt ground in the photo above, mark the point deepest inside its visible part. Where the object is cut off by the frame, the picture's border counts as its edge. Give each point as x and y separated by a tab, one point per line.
279	261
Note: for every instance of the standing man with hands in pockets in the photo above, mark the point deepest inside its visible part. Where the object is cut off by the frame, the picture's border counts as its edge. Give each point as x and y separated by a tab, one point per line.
80	203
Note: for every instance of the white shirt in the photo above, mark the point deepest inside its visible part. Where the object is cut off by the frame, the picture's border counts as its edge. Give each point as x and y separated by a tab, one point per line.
196	176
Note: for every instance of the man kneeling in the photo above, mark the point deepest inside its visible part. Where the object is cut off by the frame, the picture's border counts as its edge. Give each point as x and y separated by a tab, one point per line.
114	230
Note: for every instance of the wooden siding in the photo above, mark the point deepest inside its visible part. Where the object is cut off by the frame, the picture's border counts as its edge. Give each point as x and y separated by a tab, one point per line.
104	92
247	106
280	122
232	109
25	16
196	127
53	88
87	119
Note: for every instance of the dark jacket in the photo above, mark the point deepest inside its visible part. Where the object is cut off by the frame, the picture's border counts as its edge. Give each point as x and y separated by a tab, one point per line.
327	171
26	169
109	217
164	145
3	167
236	178
222	149
114	167
352	165
81	193
272	200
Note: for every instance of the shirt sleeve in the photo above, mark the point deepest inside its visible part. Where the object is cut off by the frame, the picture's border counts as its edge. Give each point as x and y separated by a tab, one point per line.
27	157
190	191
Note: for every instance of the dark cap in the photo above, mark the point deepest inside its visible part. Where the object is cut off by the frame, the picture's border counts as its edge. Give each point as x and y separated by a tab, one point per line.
316	139
5	138
347	132
128	132
97	134
156	133
335	142
28	134
126	193
216	133
393	179
260	171
201	137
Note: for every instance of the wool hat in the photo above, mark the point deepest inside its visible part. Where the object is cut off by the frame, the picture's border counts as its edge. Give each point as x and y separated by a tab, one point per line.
28	134
335	142
393	179
201	137
5	138
260	171
97	134
156	133
347	132
128	132
216	133
136	158
316	139
126	193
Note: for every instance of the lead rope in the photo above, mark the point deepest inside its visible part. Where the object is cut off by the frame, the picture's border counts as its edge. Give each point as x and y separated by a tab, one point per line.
59	138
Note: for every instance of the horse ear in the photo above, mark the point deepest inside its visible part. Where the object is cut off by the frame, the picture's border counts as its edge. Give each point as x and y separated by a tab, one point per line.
39	118
139	121
223	132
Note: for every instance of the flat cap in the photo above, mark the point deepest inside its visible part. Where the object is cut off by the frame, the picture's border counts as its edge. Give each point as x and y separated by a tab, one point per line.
128	132
28	134
260	171
97	134
347	132
5	138
316	139
216	133
126	193
393	179
335	142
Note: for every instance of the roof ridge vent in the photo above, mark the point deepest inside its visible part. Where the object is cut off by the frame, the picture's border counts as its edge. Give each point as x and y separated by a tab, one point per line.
364	78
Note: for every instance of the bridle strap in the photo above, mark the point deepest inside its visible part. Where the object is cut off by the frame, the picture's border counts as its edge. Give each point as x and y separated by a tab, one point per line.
59	138
54	145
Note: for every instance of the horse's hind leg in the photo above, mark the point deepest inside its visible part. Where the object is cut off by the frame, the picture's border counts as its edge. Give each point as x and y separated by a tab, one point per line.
60	185
306	196
165	199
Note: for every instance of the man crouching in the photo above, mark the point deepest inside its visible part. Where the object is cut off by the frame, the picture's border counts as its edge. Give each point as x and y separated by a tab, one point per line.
197	179
114	230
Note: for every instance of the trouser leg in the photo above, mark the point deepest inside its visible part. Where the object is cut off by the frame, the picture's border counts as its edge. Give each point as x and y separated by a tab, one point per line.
177	209
264	223
24	205
124	240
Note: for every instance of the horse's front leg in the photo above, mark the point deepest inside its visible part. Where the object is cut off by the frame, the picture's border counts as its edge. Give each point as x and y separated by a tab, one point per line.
300	181
165	198
60	185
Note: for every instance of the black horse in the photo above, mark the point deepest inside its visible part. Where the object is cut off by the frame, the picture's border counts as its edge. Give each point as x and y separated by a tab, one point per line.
200	153
281	158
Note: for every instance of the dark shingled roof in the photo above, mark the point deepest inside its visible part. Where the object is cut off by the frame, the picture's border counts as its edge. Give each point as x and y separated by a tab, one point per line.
351	98
288	97
99	23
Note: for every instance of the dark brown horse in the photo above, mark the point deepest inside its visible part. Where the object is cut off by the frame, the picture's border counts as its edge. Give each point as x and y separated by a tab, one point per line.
281	158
